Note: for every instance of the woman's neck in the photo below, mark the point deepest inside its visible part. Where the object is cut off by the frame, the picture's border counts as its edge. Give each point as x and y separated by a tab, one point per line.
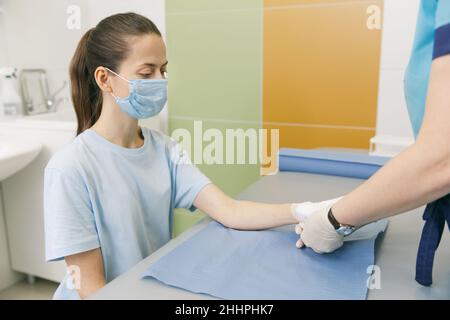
118	128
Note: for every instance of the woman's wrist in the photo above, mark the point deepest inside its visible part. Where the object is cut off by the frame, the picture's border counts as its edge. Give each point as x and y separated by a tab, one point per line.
292	218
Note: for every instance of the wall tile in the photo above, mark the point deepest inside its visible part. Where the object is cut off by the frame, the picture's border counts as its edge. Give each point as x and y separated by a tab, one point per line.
321	66
310	137
215	65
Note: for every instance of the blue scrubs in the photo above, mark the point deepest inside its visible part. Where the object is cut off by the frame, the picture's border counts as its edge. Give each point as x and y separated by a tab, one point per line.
432	41
101	195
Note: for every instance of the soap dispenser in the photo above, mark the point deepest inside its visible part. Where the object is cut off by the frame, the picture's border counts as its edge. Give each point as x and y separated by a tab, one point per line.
10	101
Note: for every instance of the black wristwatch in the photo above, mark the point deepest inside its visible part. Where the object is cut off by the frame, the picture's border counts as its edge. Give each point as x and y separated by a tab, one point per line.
343	230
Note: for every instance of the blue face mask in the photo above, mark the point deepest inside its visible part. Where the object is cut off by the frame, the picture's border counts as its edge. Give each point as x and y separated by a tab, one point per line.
146	99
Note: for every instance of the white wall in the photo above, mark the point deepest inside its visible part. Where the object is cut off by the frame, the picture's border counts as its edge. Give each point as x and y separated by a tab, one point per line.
152	9
393	131
3	55
37	35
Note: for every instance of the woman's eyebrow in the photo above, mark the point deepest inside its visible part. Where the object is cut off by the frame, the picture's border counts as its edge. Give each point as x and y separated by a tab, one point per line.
153	65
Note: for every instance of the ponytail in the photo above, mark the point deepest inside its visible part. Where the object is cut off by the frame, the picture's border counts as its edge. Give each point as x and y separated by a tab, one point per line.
105	45
85	93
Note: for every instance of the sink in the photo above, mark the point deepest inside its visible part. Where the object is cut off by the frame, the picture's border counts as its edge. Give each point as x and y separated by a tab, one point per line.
16	154
65	114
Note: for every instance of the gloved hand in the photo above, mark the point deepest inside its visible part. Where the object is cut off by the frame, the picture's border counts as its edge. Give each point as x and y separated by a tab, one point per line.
302	211
314	228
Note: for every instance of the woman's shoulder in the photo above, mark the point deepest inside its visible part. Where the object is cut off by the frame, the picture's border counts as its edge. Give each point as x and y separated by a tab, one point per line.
172	149
67	158
157	137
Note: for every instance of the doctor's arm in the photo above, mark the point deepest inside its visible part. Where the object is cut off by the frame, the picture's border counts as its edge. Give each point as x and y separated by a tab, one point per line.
243	215
418	175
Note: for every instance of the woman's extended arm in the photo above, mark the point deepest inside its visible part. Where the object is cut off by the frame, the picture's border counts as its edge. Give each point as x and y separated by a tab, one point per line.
244	215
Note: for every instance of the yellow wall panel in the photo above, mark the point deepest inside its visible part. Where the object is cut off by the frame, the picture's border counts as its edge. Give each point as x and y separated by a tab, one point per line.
310	137
276	3
320	67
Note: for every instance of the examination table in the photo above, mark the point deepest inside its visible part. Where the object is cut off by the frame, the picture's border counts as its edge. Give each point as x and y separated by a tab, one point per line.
395	253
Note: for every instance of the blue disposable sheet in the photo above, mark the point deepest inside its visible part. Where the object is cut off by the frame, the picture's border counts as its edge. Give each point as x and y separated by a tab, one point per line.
233	264
336	163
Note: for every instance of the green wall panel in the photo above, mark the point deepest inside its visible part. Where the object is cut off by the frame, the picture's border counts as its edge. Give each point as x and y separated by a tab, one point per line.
215	65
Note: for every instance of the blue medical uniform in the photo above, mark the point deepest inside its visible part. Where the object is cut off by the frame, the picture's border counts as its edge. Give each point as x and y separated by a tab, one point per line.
101	195
432	41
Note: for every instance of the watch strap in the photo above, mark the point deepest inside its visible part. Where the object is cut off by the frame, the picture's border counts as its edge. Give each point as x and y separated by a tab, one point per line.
336	225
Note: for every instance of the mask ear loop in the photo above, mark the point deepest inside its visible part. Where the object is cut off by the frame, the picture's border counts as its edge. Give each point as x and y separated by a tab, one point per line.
115	97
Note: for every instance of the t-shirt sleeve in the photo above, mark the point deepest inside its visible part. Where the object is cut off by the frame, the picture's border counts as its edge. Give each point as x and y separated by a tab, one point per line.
187	179
69	221
442	32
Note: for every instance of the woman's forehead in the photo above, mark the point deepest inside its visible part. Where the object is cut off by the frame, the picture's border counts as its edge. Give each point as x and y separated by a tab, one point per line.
148	49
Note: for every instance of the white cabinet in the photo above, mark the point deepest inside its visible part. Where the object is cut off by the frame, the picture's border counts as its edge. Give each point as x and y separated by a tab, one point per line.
23	200
7	276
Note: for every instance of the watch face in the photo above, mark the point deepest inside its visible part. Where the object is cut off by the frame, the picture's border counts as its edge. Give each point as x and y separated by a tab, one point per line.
348	231
345	231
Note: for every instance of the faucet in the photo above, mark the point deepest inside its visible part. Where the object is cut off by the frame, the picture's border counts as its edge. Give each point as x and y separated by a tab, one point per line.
40	97
51	102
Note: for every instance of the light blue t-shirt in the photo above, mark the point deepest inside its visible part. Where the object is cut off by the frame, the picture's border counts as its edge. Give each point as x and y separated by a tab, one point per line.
101	195
432	40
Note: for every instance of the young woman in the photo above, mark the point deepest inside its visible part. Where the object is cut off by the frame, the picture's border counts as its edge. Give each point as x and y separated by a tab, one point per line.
110	193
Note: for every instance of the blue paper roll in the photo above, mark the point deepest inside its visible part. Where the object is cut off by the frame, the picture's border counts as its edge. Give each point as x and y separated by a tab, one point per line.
336	163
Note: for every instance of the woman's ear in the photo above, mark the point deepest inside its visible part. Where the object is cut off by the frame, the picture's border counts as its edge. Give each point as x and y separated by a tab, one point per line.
102	78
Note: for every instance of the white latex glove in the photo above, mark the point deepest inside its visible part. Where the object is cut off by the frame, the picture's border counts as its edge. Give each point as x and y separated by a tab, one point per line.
302	211
314	228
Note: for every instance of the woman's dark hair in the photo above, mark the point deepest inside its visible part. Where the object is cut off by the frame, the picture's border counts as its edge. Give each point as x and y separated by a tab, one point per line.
104	45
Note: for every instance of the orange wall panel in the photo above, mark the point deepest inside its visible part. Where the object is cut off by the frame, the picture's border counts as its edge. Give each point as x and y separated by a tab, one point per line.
320	67
310	137
276	3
